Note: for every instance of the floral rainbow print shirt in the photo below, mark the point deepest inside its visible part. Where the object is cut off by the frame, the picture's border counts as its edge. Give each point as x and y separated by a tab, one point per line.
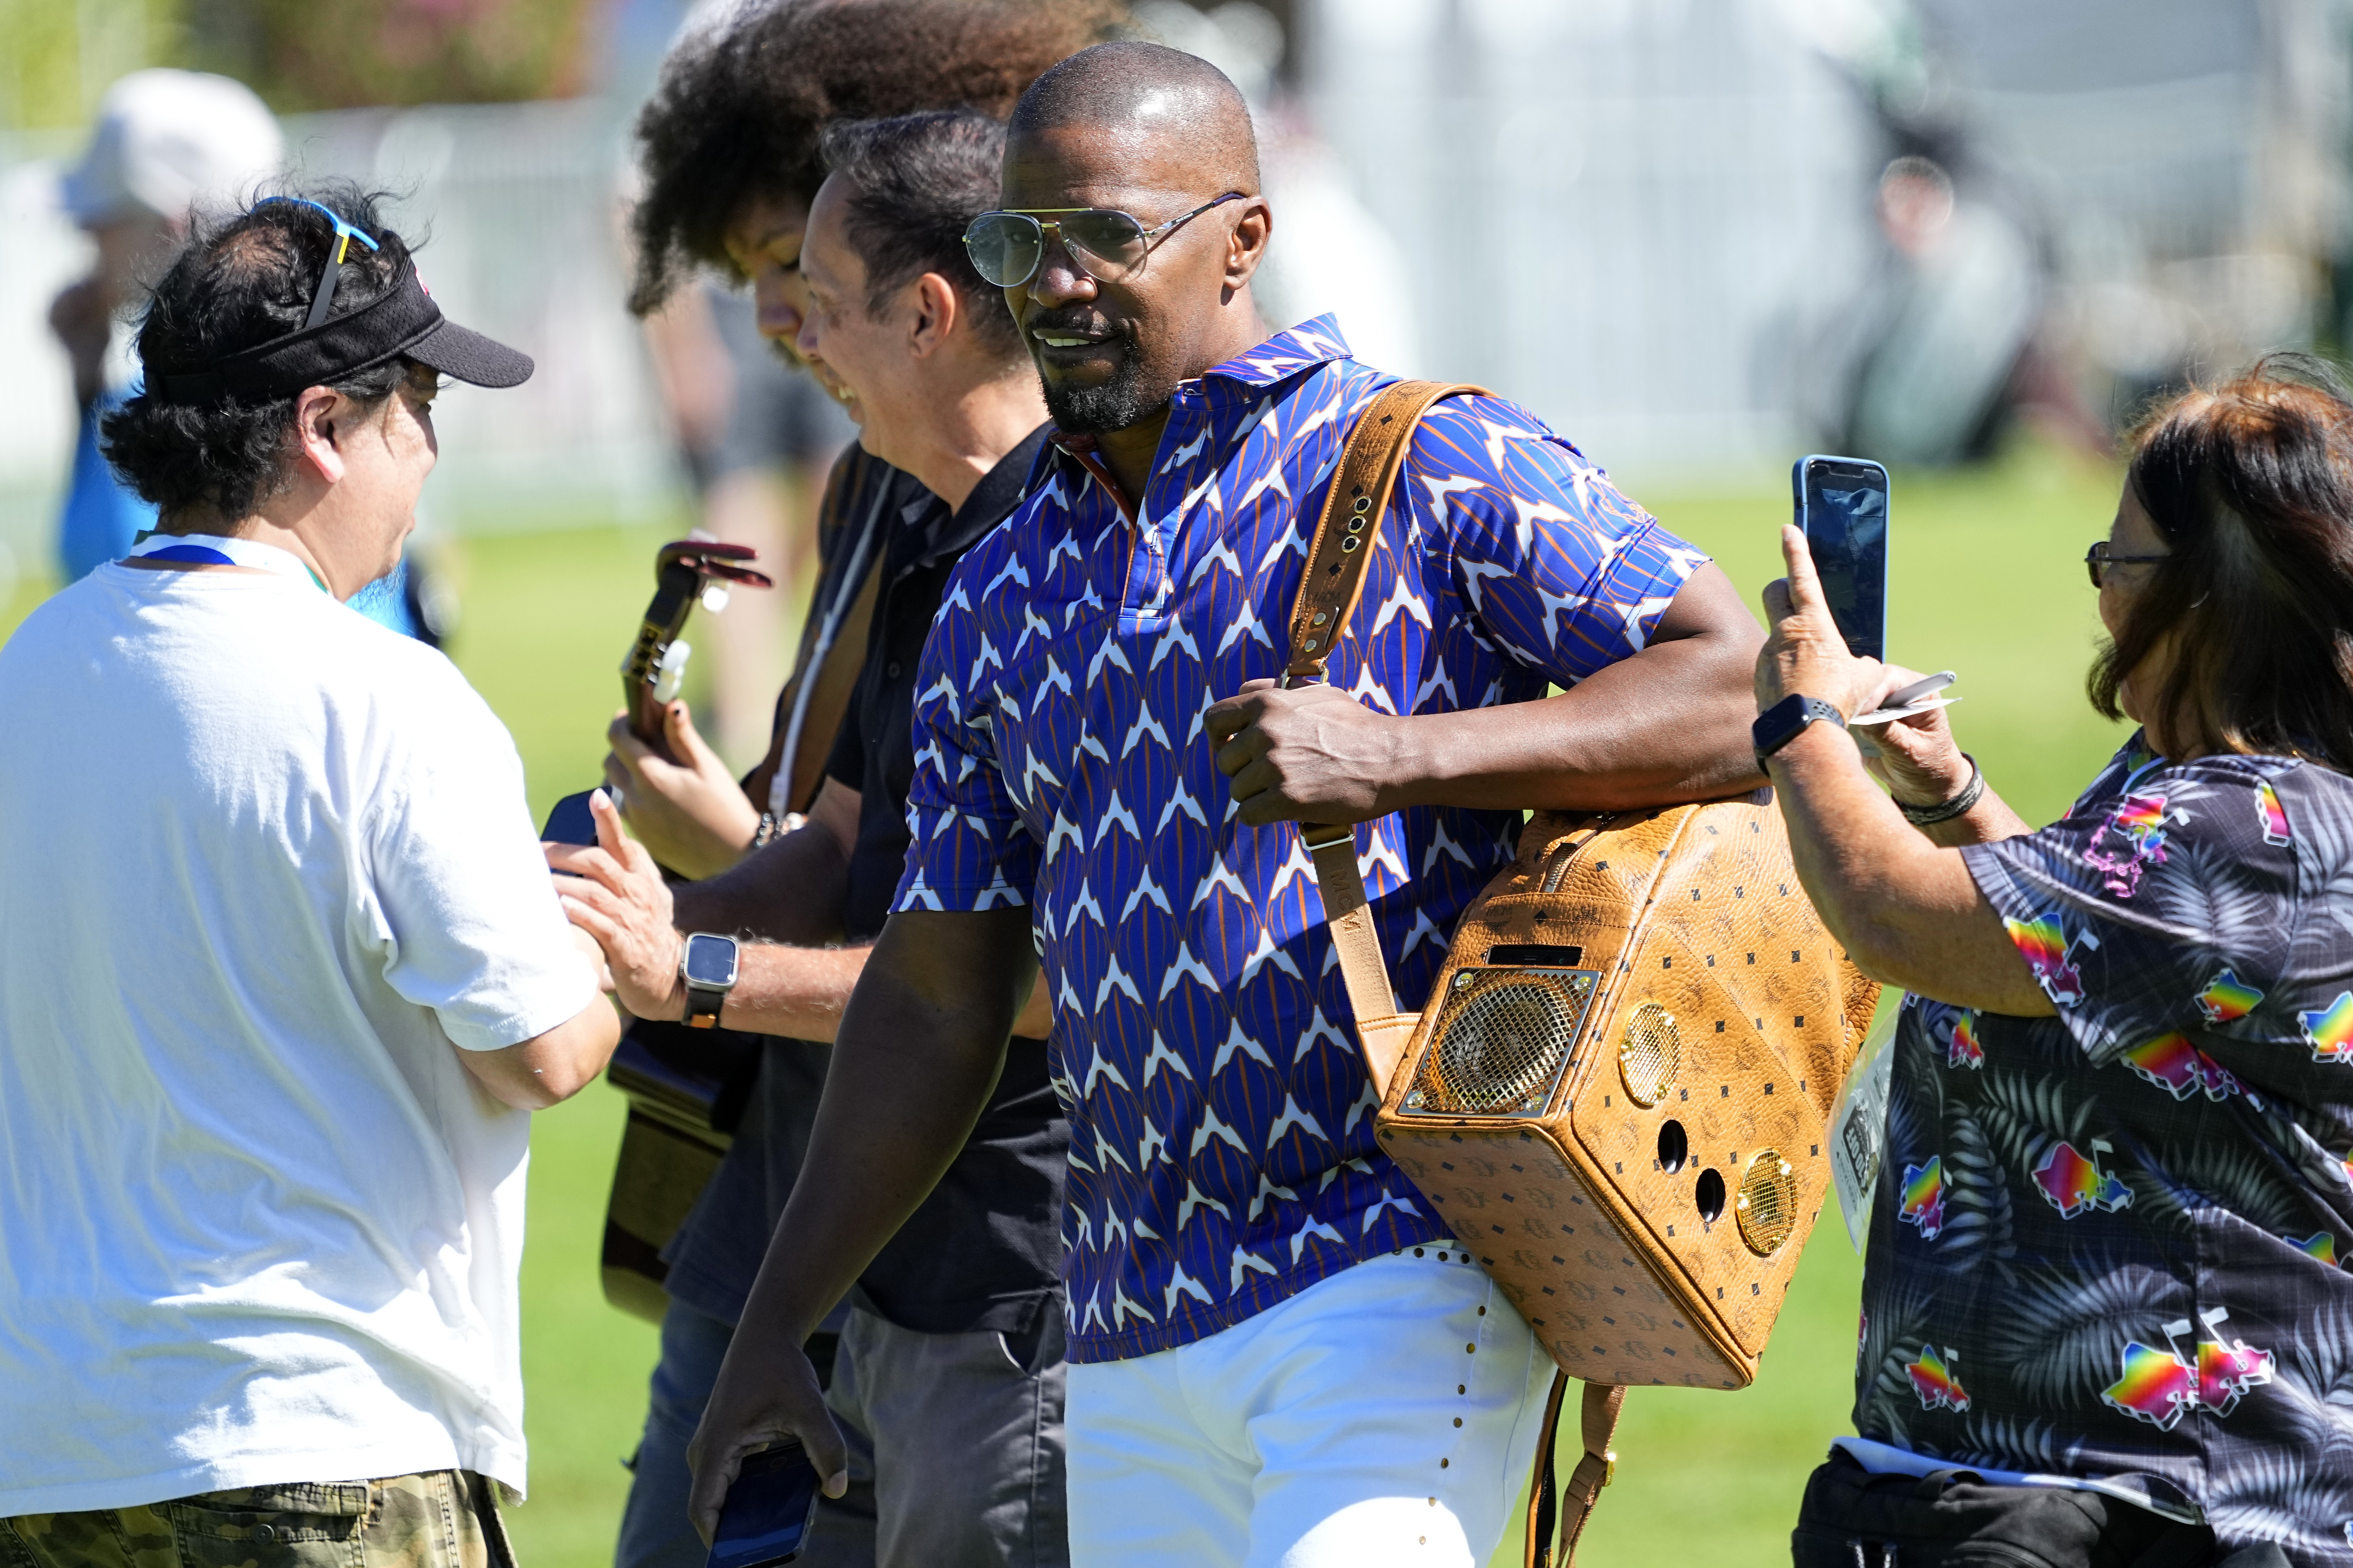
1221	1129
2111	1244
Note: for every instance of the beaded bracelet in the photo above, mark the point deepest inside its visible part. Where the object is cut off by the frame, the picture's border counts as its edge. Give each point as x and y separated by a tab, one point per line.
1944	811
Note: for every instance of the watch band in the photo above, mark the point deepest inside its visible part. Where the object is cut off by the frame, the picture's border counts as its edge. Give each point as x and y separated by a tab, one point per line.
1786	720
702	1005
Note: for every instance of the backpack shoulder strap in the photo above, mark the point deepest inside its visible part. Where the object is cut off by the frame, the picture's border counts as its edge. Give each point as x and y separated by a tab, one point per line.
1370	461
1354	507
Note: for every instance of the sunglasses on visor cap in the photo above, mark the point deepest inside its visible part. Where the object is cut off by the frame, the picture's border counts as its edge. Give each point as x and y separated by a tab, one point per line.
1007	248
324	295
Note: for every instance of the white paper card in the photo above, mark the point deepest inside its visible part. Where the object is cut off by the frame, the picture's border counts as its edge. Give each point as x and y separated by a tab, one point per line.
1910	710
1859	1130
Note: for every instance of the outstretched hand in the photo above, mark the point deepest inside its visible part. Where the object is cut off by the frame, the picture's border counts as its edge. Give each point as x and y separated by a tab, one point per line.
1309	753
1804	653
613	891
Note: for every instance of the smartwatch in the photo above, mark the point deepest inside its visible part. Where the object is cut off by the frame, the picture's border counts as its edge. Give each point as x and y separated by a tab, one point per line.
1786	720
709	967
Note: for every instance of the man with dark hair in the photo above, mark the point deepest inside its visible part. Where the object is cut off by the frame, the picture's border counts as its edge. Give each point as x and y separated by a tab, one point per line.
1279	1354
728	149
936	379
281	973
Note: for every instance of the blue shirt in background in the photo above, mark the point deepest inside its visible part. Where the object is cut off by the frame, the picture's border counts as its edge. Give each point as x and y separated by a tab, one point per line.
103	515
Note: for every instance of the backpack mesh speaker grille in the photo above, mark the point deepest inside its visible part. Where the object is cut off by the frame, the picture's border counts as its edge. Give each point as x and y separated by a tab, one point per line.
1502	1042
1651	1054
1767	1204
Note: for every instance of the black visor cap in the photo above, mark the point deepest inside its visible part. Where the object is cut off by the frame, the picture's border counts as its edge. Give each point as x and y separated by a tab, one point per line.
403	321
478	360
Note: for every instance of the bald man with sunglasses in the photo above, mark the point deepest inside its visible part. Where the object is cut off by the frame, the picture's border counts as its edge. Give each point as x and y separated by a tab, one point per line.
1279	1354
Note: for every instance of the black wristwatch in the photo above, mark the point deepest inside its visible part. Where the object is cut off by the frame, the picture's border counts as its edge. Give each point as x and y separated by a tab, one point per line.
709	966
1786	720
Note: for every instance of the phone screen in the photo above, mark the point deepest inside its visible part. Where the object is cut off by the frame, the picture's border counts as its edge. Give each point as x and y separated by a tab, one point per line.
1842	506
768	1510
570	821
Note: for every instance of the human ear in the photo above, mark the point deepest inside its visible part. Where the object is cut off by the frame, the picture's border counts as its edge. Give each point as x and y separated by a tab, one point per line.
1246	249
316	409
937	311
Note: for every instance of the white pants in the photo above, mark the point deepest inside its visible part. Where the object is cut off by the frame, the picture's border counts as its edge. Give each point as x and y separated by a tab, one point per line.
1386	1416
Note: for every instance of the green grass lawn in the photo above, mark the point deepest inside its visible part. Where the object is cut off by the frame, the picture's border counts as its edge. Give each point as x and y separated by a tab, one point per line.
1987	581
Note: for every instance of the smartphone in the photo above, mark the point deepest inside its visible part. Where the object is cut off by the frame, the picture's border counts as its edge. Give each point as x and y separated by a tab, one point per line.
570	822
1841	504
769	1511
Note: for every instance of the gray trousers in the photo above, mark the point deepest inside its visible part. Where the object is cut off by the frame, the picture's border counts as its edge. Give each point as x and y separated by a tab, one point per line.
956	1449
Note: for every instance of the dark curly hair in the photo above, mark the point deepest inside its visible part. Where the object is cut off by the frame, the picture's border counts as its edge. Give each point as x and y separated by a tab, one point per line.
237	283
2250	484
914	183
739	110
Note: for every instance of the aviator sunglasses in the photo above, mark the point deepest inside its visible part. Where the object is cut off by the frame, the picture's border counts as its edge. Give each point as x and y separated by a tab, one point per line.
1007	248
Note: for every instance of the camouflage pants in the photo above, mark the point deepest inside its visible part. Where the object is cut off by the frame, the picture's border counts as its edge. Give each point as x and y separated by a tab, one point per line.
447	1519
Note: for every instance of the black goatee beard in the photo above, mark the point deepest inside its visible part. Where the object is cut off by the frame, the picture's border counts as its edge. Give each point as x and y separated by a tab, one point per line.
1115	404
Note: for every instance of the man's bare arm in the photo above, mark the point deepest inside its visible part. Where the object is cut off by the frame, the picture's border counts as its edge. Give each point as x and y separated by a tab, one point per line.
551	1067
790	890
615	894
1670	723
924	1042
802	993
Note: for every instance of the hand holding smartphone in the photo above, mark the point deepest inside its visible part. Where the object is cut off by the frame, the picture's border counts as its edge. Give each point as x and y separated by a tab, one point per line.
570	821
769	1511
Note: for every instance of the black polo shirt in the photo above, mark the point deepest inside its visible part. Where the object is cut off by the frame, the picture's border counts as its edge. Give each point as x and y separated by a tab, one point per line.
984	1249
876	743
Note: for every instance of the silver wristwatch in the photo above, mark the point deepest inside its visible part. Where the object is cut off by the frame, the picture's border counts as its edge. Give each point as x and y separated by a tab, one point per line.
709	966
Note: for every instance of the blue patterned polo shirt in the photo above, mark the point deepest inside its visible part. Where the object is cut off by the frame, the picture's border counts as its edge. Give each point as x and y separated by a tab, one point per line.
1221	1132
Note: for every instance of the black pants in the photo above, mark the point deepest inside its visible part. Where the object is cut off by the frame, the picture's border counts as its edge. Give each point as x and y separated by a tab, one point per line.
1853	1518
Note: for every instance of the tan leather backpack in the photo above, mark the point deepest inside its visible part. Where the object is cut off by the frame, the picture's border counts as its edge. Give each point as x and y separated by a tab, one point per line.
1620	1091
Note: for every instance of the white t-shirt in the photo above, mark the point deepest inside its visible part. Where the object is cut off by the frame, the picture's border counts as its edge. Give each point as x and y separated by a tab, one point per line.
263	863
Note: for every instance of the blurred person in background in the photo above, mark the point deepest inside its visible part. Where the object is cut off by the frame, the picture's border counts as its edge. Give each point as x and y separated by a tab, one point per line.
170	146
2105	1266
729	149
1959	300
281	975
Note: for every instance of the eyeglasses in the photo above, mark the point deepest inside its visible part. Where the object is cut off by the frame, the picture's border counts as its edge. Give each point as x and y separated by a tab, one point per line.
1007	248
2096	561
324	295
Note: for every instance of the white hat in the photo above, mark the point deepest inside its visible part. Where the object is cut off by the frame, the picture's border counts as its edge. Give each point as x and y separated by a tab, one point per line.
170	141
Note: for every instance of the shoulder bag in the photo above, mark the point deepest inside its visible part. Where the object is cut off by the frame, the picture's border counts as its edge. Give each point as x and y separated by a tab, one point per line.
1618	1092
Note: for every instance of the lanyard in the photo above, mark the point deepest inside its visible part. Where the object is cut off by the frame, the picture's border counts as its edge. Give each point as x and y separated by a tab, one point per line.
780	787
218	549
